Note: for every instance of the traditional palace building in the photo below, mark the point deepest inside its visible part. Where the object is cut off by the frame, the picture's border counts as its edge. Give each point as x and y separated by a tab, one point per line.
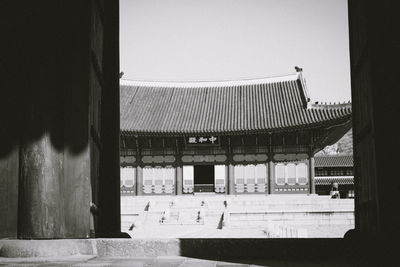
337	168
230	137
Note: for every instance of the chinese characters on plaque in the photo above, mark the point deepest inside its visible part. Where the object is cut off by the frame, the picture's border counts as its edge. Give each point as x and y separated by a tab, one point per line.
202	140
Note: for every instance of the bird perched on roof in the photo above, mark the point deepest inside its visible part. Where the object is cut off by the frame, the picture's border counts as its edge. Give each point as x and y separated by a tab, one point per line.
298	69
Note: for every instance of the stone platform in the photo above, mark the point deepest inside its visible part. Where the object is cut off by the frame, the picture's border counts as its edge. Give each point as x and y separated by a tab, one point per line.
240	216
176	252
79	261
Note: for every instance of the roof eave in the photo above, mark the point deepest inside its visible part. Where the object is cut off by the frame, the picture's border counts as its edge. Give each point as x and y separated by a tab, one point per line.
328	123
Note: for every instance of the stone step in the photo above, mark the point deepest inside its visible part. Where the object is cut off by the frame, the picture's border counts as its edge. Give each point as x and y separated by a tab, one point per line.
248	210
199	248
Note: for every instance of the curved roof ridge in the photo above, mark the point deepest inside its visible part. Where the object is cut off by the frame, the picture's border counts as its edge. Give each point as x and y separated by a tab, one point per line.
221	83
335	155
330	105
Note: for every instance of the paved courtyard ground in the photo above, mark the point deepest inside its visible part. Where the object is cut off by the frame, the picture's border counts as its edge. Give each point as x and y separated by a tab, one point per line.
84	261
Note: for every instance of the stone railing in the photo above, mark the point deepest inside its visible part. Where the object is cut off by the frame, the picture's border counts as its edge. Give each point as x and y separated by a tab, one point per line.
275	230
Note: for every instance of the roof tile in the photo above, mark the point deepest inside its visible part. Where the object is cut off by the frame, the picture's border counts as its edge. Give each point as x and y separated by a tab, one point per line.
335	160
248	106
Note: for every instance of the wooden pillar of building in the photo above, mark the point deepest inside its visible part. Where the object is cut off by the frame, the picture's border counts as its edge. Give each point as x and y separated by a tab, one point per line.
178	169
231	179
311	172
179	180
230	170
136	181
271	167
139	179
226	179
271	177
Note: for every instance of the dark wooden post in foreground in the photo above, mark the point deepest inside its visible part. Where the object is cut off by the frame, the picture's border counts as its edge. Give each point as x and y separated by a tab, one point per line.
68	116
41	213
55	158
109	169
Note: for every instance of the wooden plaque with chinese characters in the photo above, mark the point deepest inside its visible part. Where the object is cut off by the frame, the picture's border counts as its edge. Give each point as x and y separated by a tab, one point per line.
202	140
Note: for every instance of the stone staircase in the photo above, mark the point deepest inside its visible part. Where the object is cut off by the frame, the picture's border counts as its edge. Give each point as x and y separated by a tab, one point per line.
231	216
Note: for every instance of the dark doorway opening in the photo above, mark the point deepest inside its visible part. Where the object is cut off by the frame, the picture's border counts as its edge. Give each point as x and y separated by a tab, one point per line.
204	178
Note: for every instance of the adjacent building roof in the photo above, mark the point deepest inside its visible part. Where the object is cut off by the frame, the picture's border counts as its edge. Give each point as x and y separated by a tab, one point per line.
328	180
228	107
339	160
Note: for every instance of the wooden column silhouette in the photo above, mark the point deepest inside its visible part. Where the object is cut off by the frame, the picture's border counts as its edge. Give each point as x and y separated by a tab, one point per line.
63	128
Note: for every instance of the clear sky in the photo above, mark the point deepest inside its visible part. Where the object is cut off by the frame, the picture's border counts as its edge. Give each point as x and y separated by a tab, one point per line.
208	40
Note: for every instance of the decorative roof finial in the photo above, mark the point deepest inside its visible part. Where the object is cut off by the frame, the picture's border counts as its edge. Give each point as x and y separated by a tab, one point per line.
298	69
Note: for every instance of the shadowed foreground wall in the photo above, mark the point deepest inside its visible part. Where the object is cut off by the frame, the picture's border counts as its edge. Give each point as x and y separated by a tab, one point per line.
61	116
374	51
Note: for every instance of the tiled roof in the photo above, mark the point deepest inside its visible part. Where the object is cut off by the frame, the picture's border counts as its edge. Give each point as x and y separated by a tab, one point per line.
340	160
229	107
334	179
